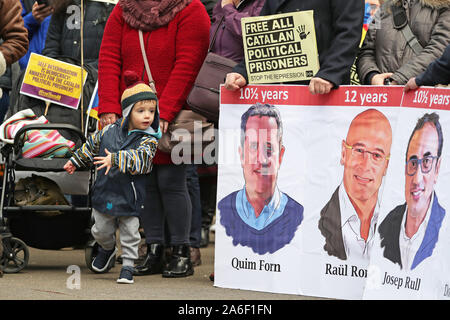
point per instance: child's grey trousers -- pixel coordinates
(104, 232)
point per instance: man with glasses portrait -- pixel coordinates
(348, 220)
(410, 232)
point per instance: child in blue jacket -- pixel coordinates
(123, 152)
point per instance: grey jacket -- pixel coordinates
(385, 48)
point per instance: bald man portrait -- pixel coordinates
(348, 220)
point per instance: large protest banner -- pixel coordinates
(410, 258)
(280, 47)
(289, 200)
(53, 80)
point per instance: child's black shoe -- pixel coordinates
(126, 275)
(103, 260)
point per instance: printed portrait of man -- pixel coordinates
(410, 231)
(348, 220)
(259, 215)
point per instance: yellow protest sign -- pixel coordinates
(281, 47)
(53, 80)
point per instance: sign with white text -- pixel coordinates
(340, 195)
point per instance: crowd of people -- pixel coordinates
(407, 43)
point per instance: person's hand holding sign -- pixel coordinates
(320, 86)
(410, 85)
(235, 81)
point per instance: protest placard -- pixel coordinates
(53, 81)
(305, 181)
(280, 48)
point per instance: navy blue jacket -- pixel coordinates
(123, 190)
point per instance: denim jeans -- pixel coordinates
(193, 186)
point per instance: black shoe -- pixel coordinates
(180, 264)
(204, 241)
(153, 262)
(126, 275)
(103, 261)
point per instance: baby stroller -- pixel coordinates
(39, 225)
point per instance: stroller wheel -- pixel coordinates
(15, 255)
(90, 253)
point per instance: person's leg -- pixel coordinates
(176, 202)
(129, 242)
(178, 210)
(152, 221)
(195, 235)
(208, 187)
(129, 239)
(103, 231)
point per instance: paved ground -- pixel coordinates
(47, 277)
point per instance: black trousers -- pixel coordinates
(167, 201)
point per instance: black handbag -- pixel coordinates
(204, 95)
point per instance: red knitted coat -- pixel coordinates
(175, 53)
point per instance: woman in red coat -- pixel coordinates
(176, 37)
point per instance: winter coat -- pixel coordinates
(385, 48)
(338, 25)
(37, 32)
(13, 33)
(437, 72)
(175, 54)
(63, 35)
(122, 191)
(209, 6)
(229, 36)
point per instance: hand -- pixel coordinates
(410, 85)
(164, 125)
(320, 86)
(378, 79)
(70, 167)
(108, 118)
(225, 2)
(235, 81)
(104, 161)
(41, 11)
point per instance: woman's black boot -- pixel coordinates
(153, 262)
(180, 264)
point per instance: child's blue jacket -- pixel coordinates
(123, 190)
